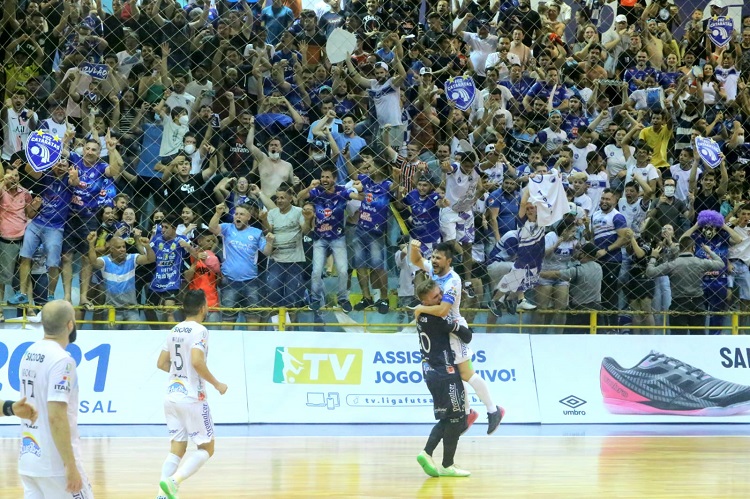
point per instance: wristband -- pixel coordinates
(8, 408)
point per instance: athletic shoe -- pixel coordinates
(169, 487)
(510, 305)
(452, 471)
(469, 288)
(363, 304)
(18, 299)
(494, 307)
(526, 305)
(494, 419)
(346, 305)
(383, 306)
(664, 385)
(314, 305)
(470, 419)
(428, 465)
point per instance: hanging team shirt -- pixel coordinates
(171, 261)
(547, 194)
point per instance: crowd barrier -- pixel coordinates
(306, 377)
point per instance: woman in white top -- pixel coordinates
(713, 93)
(617, 158)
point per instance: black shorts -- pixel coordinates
(157, 298)
(76, 231)
(447, 390)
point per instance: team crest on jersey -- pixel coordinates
(368, 197)
(462, 91)
(43, 150)
(177, 387)
(327, 212)
(29, 445)
(720, 30)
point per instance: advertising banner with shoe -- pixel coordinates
(642, 379)
(375, 378)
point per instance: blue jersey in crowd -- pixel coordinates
(330, 209)
(543, 90)
(56, 197)
(425, 216)
(605, 227)
(241, 252)
(507, 205)
(85, 200)
(574, 125)
(171, 260)
(373, 214)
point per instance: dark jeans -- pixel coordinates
(610, 288)
(286, 284)
(694, 319)
(583, 320)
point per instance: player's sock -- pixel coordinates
(453, 430)
(466, 398)
(191, 465)
(483, 392)
(170, 465)
(435, 436)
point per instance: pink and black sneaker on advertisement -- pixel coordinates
(664, 385)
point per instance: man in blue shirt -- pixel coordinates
(50, 212)
(550, 87)
(84, 206)
(171, 253)
(118, 273)
(369, 241)
(330, 201)
(424, 205)
(277, 18)
(239, 285)
(503, 205)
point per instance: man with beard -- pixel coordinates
(57, 123)
(17, 121)
(178, 97)
(49, 379)
(235, 156)
(628, 57)
(178, 32)
(710, 195)
(549, 88)
(241, 242)
(329, 201)
(529, 20)
(385, 91)
(517, 83)
(272, 170)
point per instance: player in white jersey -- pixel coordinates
(462, 182)
(50, 460)
(188, 416)
(440, 270)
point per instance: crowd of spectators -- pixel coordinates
(277, 169)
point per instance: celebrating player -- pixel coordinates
(186, 409)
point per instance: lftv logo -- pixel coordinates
(317, 366)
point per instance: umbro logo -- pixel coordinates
(572, 401)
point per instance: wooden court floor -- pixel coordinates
(385, 467)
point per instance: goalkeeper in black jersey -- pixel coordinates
(444, 382)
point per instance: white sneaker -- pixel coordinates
(452, 471)
(526, 305)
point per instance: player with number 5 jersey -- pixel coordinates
(188, 416)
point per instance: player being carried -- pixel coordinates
(442, 272)
(443, 380)
(184, 357)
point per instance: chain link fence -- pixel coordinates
(213, 145)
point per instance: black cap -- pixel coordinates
(589, 249)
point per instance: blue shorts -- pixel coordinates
(369, 250)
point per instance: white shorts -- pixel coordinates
(518, 280)
(461, 350)
(189, 420)
(456, 226)
(53, 487)
(497, 270)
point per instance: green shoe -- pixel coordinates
(428, 465)
(169, 488)
(452, 471)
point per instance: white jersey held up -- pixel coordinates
(185, 384)
(547, 194)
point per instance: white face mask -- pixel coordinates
(274, 155)
(319, 156)
(189, 149)
(669, 191)
(184, 120)
(79, 150)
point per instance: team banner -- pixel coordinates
(720, 30)
(43, 150)
(709, 151)
(375, 378)
(96, 71)
(461, 90)
(118, 379)
(642, 379)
